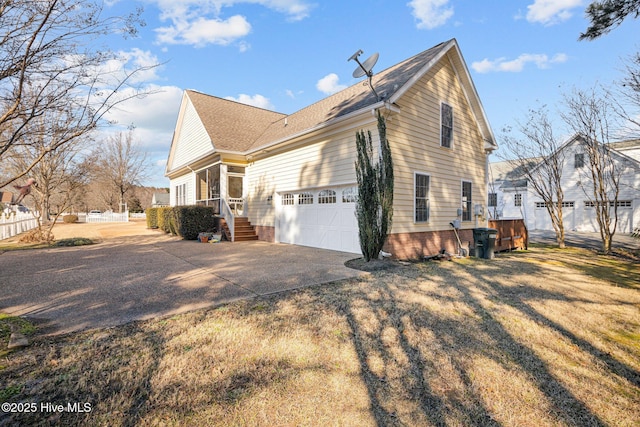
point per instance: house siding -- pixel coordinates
(414, 136)
(187, 179)
(192, 140)
(324, 162)
(575, 182)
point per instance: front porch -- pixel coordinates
(221, 186)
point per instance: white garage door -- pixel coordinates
(322, 218)
(543, 220)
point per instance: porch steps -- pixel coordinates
(244, 231)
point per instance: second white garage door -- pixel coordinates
(323, 218)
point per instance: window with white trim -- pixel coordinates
(517, 199)
(619, 203)
(493, 200)
(327, 196)
(578, 160)
(350, 195)
(446, 125)
(287, 199)
(466, 201)
(181, 194)
(421, 193)
(305, 198)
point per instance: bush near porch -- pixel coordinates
(184, 221)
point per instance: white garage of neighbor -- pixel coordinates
(323, 218)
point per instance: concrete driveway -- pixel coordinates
(142, 277)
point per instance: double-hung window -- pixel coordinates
(493, 200)
(181, 194)
(466, 201)
(446, 125)
(421, 192)
(517, 199)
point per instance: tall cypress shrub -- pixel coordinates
(374, 208)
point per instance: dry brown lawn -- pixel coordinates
(542, 338)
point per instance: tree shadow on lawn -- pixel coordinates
(60, 373)
(520, 297)
(418, 331)
(124, 374)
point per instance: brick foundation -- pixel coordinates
(266, 233)
(419, 245)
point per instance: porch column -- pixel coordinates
(223, 182)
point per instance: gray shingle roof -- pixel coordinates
(233, 126)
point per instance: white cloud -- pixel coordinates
(329, 84)
(549, 12)
(157, 111)
(154, 117)
(243, 46)
(516, 65)
(201, 22)
(201, 31)
(431, 13)
(135, 66)
(255, 100)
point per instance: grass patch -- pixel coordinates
(9, 324)
(529, 338)
(620, 268)
(73, 241)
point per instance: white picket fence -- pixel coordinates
(105, 217)
(15, 223)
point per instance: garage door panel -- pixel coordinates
(329, 216)
(322, 225)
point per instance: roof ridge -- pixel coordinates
(384, 71)
(235, 102)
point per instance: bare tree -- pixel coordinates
(590, 115)
(121, 164)
(537, 158)
(48, 64)
(59, 174)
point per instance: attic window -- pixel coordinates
(446, 125)
(579, 160)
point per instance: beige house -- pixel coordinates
(291, 178)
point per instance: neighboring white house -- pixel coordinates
(293, 176)
(159, 200)
(511, 196)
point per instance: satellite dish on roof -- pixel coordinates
(365, 68)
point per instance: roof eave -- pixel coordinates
(332, 122)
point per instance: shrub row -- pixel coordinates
(183, 221)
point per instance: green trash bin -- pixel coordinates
(484, 242)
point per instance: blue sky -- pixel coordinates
(286, 54)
